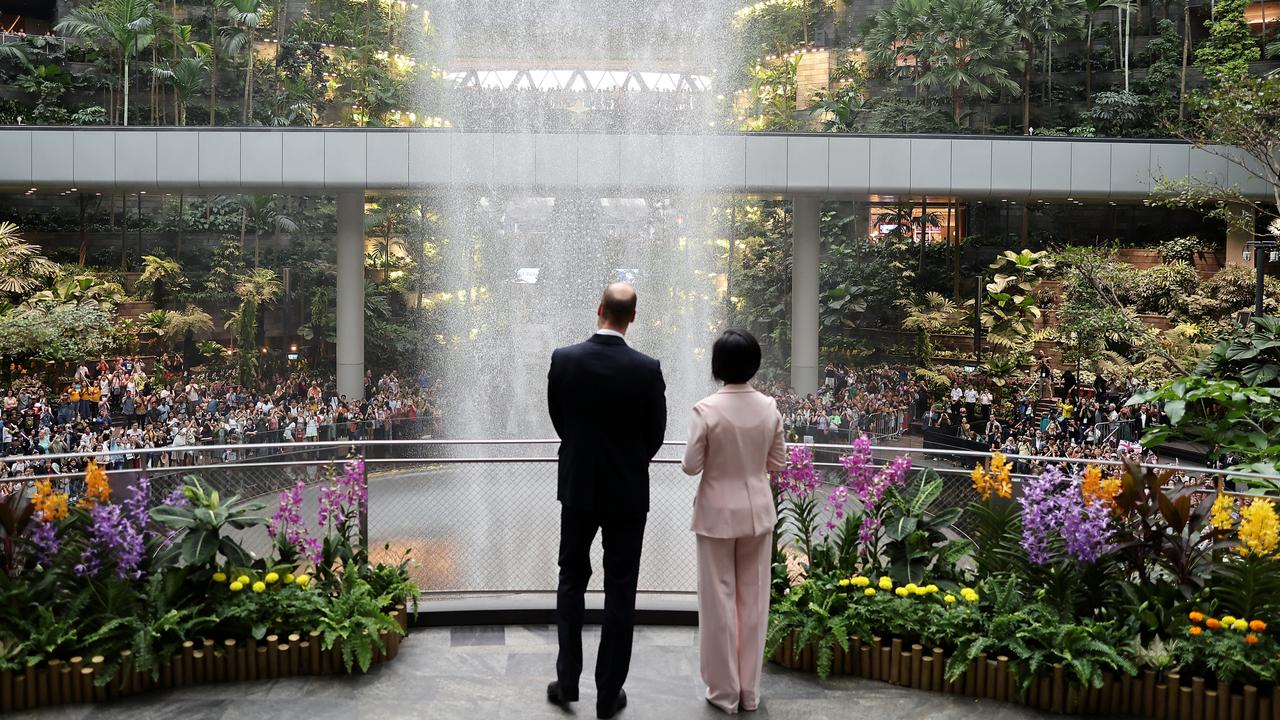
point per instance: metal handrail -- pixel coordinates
(302, 447)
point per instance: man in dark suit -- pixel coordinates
(608, 405)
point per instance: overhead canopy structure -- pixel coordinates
(806, 167)
(844, 166)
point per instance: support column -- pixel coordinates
(350, 315)
(804, 294)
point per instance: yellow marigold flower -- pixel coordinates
(243, 579)
(869, 592)
(219, 577)
(1240, 626)
(259, 586)
(861, 581)
(844, 582)
(1259, 530)
(272, 577)
(1220, 514)
(97, 488)
(931, 588)
(901, 592)
(969, 594)
(911, 587)
(51, 506)
(288, 578)
(948, 598)
(302, 580)
(236, 586)
(1228, 621)
(922, 591)
(886, 583)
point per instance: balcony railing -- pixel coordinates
(481, 516)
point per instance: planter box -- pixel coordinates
(896, 662)
(207, 661)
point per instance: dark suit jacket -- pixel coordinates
(608, 404)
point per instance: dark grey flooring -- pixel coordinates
(501, 672)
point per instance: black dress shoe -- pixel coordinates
(608, 710)
(557, 695)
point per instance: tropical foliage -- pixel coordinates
(1094, 570)
(93, 573)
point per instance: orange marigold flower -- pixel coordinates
(97, 488)
(1195, 630)
(1251, 639)
(1257, 626)
(1213, 623)
(1196, 616)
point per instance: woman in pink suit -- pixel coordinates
(735, 439)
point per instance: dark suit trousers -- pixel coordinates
(621, 535)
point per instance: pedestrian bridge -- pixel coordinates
(284, 160)
(347, 162)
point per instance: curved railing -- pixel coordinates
(480, 516)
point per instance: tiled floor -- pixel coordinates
(488, 673)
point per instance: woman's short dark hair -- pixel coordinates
(735, 357)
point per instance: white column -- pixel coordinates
(350, 316)
(804, 294)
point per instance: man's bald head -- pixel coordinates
(617, 307)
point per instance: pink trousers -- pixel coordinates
(733, 614)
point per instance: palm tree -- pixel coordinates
(261, 284)
(22, 267)
(161, 273)
(186, 71)
(16, 51)
(968, 52)
(263, 212)
(1124, 18)
(193, 320)
(246, 17)
(124, 24)
(895, 28)
(255, 288)
(934, 315)
(1091, 8)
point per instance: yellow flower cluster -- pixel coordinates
(997, 481)
(1259, 530)
(51, 506)
(97, 488)
(240, 582)
(1221, 515)
(1095, 489)
(856, 581)
(886, 582)
(969, 595)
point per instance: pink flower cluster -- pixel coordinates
(798, 478)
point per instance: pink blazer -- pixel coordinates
(735, 439)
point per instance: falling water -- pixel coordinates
(525, 270)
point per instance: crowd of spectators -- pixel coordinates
(1048, 414)
(115, 408)
(879, 400)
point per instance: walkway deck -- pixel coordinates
(496, 673)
